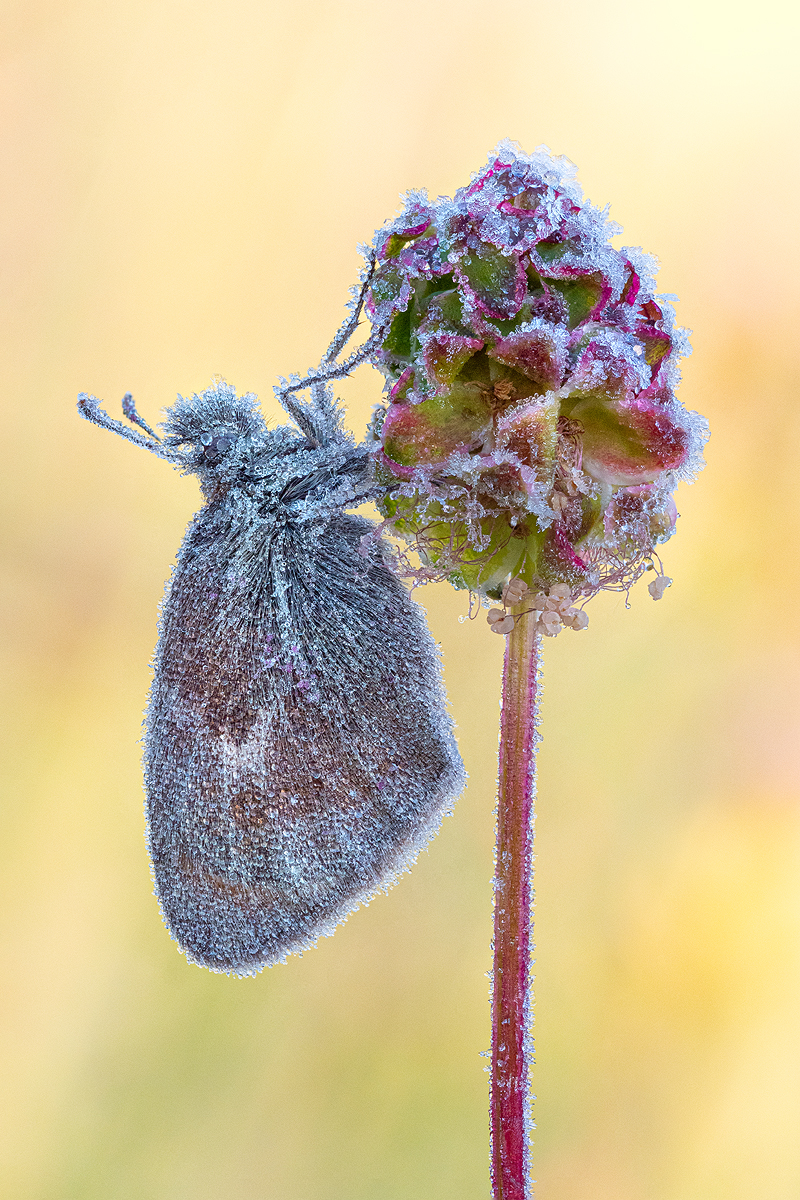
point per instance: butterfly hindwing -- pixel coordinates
(298, 749)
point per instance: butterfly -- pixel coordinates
(298, 751)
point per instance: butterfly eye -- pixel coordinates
(214, 446)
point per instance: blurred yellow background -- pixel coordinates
(185, 185)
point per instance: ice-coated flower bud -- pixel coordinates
(531, 429)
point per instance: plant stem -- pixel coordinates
(512, 1042)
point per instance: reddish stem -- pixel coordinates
(512, 1042)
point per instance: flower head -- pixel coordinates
(531, 429)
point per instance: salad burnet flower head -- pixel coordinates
(531, 437)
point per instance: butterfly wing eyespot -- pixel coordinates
(298, 751)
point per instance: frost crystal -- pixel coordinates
(531, 428)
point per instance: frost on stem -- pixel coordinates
(531, 429)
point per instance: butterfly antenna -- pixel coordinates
(90, 409)
(129, 410)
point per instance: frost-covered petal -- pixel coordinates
(529, 432)
(611, 364)
(560, 562)
(656, 345)
(537, 350)
(632, 284)
(639, 517)
(444, 354)
(422, 258)
(413, 222)
(584, 297)
(390, 291)
(629, 442)
(495, 280)
(429, 432)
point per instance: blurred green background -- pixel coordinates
(185, 185)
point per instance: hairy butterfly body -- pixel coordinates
(298, 753)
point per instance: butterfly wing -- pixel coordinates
(298, 750)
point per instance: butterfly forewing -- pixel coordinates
(298, 750)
